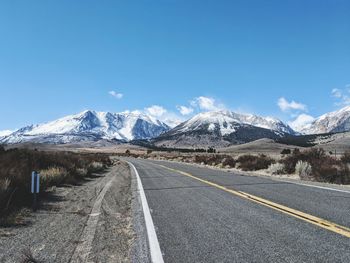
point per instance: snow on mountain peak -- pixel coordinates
(5, 133)
(336, 121)
(228, 120)
(97, 125)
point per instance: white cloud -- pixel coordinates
(336, 93)
(184, 110)
(206, 104)
(5, 133)
(342, 96)
(301, 122)
(172, 119)
(156, 111)
(116, 94)
(292, 105)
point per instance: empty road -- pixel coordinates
(205, 215)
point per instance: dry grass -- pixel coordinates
(4, 184)
(56, 168)
(97, 166)
(53, 176)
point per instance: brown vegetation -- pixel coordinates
(253, 162)
(56, 168)
(325, 168)
(318, 165)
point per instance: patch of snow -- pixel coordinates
(211, 127)
(5, 133)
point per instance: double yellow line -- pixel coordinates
(281, 208)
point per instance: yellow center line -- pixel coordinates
(342, 230)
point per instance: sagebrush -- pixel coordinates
(55, 168)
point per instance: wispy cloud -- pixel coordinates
(184, 110)
(336, 93)
(286, 105)
(115, 94)
(342, 96)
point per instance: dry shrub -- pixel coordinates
(229, 161)
(252, 162)
(324, 167)
(201, 159)
(276, 168)
(286, 151)
(97, 165)
(214, 160)
(55, 167)
(346, 157)
(303, 169)
(53, 176)
(314, 157)
(82, 172)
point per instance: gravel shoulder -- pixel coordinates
(55, 232)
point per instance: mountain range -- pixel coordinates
(222, 128)
(90, 126)
(216, 128)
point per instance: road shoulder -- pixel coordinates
(55, 231)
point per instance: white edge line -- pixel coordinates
(156, 253)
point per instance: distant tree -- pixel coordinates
(296, 151)
(286, 151)
(149, 151)
(211, 150)
(127, 152)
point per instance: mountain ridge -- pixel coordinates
(213, 128)
(90, 126)
(222, 128)
(331, 122)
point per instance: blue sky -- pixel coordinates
(62, 57)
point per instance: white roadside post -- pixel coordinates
(35, 188)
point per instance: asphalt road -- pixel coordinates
(196, 222)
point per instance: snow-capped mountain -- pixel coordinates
(91, 126)
(5, 133)
(337, 121)
(226, 121)
(223, 128)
